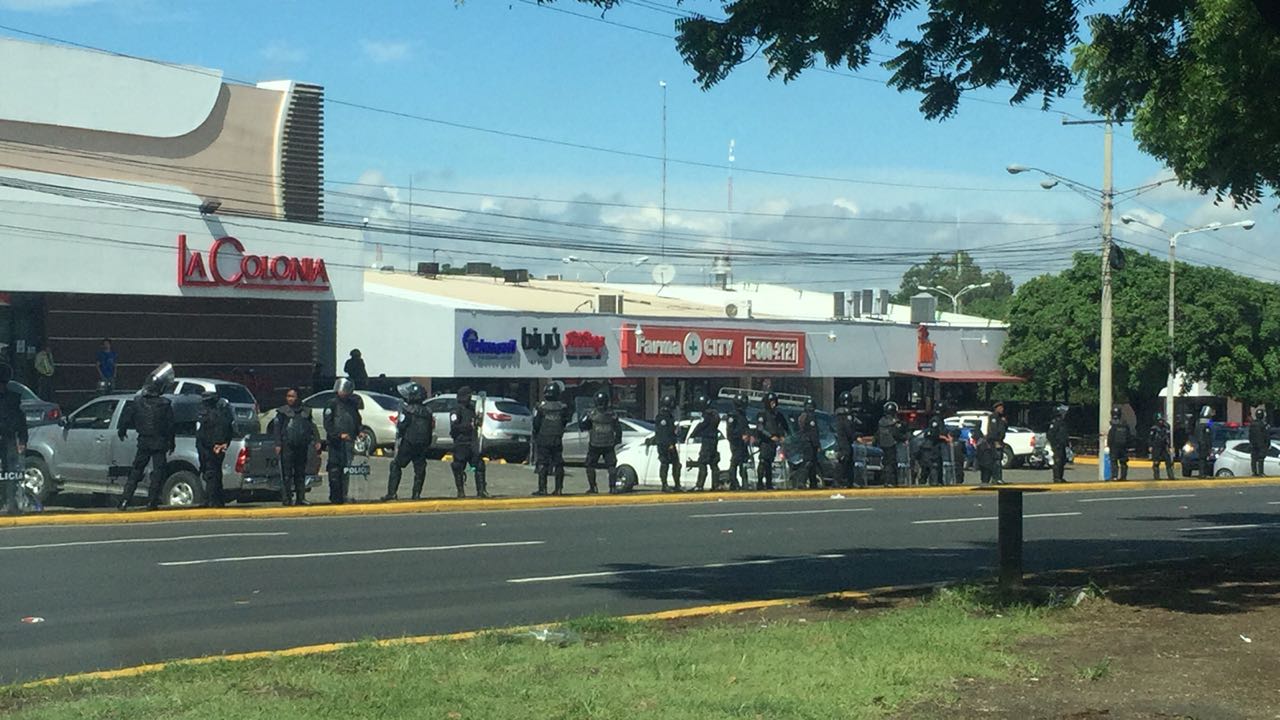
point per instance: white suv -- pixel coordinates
(505, 426)
(244, 406)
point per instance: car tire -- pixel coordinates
(365, 443)
(1224, 473)
(38, 480)
(627, 476)
(183, 489)
(1008, 460)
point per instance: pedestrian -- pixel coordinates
(1259, 442)
(214, 429)
(106, 368)
(1158, 439)
(846, 439)
(415, 429)
(738, 431)
(997, 429)
(464, 428)
(45, 368)
(296, 438)
(1204, 441)
(771, 430)
(984, 456)
(707, 433)
(890, 432)
(664, 437)
(550, 419)
(810, 446)
(1059, 439)
(151, 415)
(355, 369)
(13, 441)
(342, 423)
(604, 432)
(1118, 439)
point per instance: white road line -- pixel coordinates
(1134, 497)
(342, 553)
(1247, 526)
(1274, 502)
(129, 541)
(677, 568)
(993, 517)
(781, 512)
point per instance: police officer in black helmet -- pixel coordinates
(1158, 439)
(342, 423)
(151, 415)
(664, 439)
(464, 428)
(707, 433)
(810, 446)
(1204, 440)
(1259, 442)
(214, 430)
(13, 441)
(1119, 436)
(604, 432)
(415, 427)
(739, 432)
(846, 438)
(1059, 439)
(549, 422)
(771, 429)
(889, 433)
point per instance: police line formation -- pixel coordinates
(939, 458)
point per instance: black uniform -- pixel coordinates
(341, 418)
(664, 438)
(810, 448)
(414, 427)
(549, 423)
(13, 432)
(1118, 439)
(214, 428)
(295, 434)
(707, 433)
(152, 416)
(1259, 444)
(771, 429)
(464, 428)
(1059, 439)
(889, 433)
(846, 439)
(604, 432)
(1158, 438)
(997, 428)
(933, 445)
(1204, 445)
(737, 427)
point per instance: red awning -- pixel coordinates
(961, 376)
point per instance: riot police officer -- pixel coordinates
(296, 434)
(214, 429)
(549, 422)
(604, 432)
(1204, 440)
(415, 429)
(739, 432)
(664, 439)
(1259, 442)
(707, 433)
(846, 439)
(151, 415)
(1158, 438)
(342, 423)
(889, 433)
(1118, 439)
(1059, 439)
(997, 429)
(464, 428)
(810, 446)
(13, 440)
(936, 441)
(771, 430)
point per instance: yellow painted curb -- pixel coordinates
(1085, 460)
(305, 650)
(577, 501)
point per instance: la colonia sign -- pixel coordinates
(228, 265)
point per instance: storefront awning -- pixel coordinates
(961, 376)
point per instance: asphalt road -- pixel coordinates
(113, 596)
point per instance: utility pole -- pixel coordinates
(411, 221)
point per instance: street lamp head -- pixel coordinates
(640, 260)
(1126, 219)
(925, 288)
(1247, 224)
(1015, 169)
(983, 285)
(1048, 184)
(662, 83)
(569, 259)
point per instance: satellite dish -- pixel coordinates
(663, 274)
(731, 310)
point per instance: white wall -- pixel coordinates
(397, 336)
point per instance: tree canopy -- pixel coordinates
(1198, 78)
(953, 273)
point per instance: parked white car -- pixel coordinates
(378, 411)
(638, 462)
(1019, 442)
(506, 426)
(1235, 460)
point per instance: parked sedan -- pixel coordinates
(378, 411)
(575, 438)
(38, 412)
(505, 426)
(1235, 460)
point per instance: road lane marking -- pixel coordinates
(677, 568)
(1274, 502)
(342, 553)
(1246, 526)
(780, 512)
(1135, 497)
(993, 517)
(129, 541)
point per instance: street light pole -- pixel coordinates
(663, 85)
(604, 272)
(1105, 359)
(955, 298)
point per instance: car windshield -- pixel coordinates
(641, 424)
(23, 392)
(386, 402)
(234, 393)
(511, 408)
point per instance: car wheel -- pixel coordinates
(37, 479)
(1224, 472)
(183, 489)
(1007, 459)
(365, 442)
(627, 476)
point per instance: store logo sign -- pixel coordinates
(227, 265)
(583, 345)
(541, 343)
(712, 348)
(473, 345)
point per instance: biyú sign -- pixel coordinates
(227, 265)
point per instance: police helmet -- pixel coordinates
(344, 386)
(551, 392)
(809, 405)
(846, 399)
(891, 408)
(1159, 417)
(159, 380)
(209, 397)
(669, 402)
(703, 402)
(602, 398)
(6, 374)
(412, 392)
(1060, 411)
(771, 400)
(740, 401)
(1259, 414)
(464, 394)
(1115, 413)
(1206, 412)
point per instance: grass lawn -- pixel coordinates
(805, 663)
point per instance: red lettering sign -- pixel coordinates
(656, 346)
(583, 344)
(249, 272)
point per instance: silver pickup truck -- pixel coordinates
(82, 454)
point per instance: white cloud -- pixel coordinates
(279, 52)
(385, 51)
(846, 204)
(43, 5)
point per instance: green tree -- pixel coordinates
(953, 273)
(1198, 77)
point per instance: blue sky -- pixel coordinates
(512, 66)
